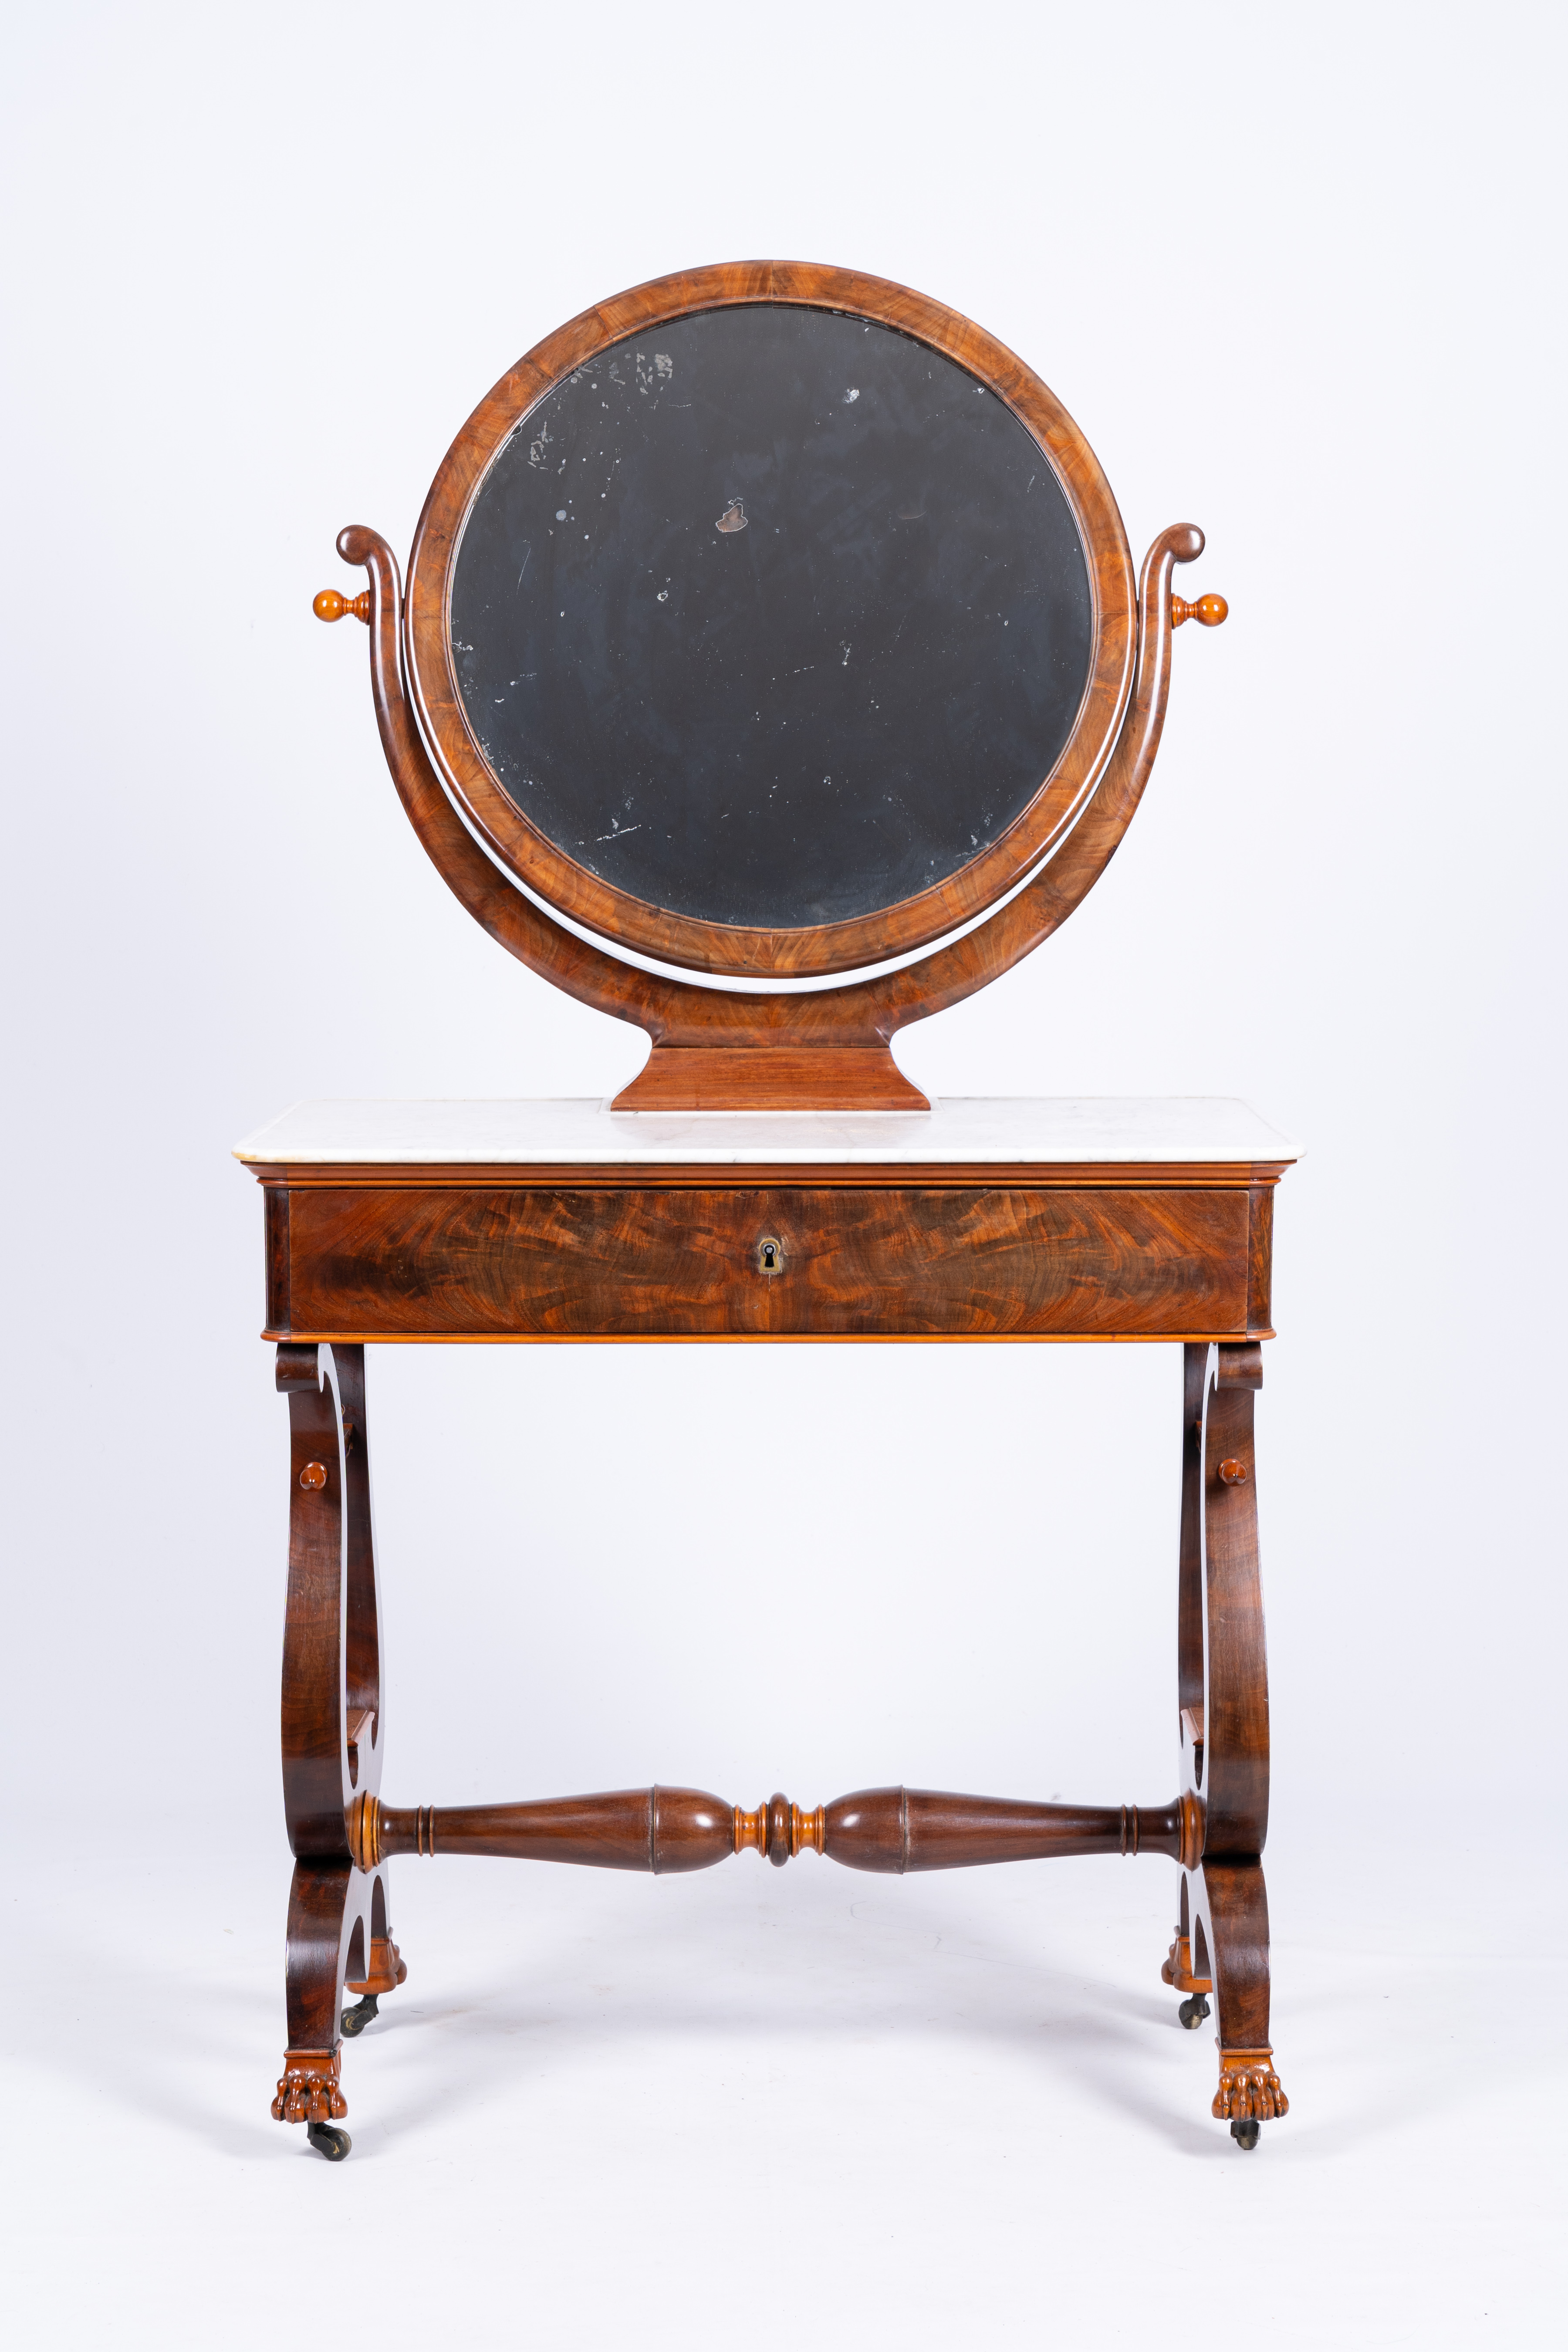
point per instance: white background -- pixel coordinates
(1295, 272)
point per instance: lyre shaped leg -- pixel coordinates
(334, 1732)
(1222, 1938)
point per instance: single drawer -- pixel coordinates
(767, 1262)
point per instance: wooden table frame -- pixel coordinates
(1107, 1251)
(931, 1239)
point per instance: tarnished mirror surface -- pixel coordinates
(771, 616)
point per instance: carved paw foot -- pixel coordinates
(308, 2089)
(1249, 2089)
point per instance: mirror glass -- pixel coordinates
(771, 616)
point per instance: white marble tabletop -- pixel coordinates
(562, 1130)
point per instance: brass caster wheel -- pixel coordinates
(1192, 2013)
(328, 2140)
(1245, 2131)
(354, 2021)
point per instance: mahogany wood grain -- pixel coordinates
(1222, 1938)
(277, 1258)
(1235, 1757)
(1260, 1258)
(1190, 1569)
(333, 1721)
(362, 1654)
(320, 1926)
(1230, 1943)
(658, 1829)
(891, 1830)
(781, 1077)
(899, 1830)
(961, 1262)
(316, 1785)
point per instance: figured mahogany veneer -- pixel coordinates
(598, 1260)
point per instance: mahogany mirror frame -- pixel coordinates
(686, 941)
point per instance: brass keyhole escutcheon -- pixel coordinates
(770, 1256)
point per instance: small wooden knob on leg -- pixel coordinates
(329, 605)
(1210, 610)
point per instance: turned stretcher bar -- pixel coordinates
(668, 1830)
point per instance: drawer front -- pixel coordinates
(945, 1261)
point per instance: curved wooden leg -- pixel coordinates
(1179, 1970)
(1222, 1940)
(333, 1727)
(319, 1931)
(1232, 1922)
(365, 1690)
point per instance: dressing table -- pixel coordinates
(771, 673)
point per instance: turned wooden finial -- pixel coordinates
(1210, 610)
(332, 606)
